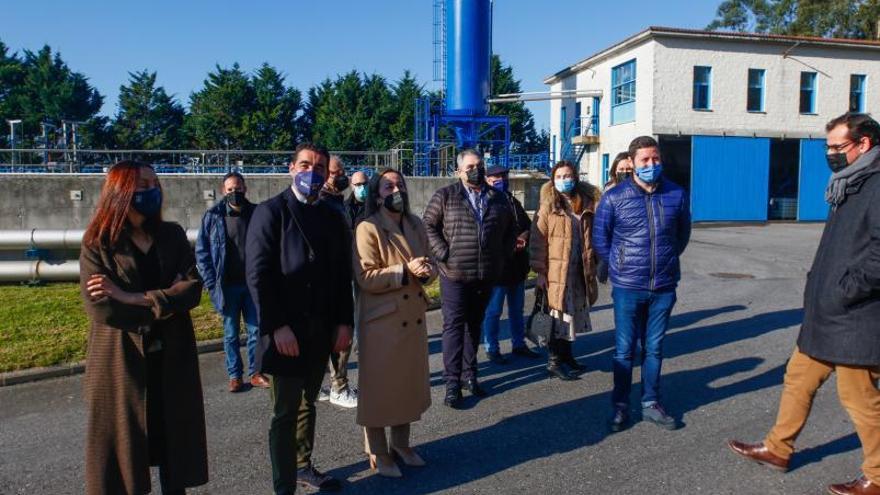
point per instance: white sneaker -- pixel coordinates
(324, 394)
(346, 398)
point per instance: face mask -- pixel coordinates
(650, 174)
(308, 183)
(622, 176)
(235, 198)
(564, 185)
(476, 176)
(360, 192)
(340, 183)
(836, 161)
(148, 202)
(501, 185)
(394, 202)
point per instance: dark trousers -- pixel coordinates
(293, 404)
(464, 306)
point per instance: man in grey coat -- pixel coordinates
(840, 331)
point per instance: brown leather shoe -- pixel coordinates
(758, 452)
(235, 385)
(259, 381)
(858, 486)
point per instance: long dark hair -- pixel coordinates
(612, 172)
(373, 199)
(111, 214)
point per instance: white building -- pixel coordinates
(740, 117)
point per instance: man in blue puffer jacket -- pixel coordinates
(641, 228)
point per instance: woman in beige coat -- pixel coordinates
(562, 256)
(391, 266)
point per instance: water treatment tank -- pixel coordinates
(468, 56)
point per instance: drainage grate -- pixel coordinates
(732, 275)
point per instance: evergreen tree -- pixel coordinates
(404, 94)
(218, 110)
(273, 124)
(148, 117)
(826, 18)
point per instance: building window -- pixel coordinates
(577, 119)
(808, 92)
(623, 93)
(605, 166)
(857, 93)
(755, 101)
(702, 86)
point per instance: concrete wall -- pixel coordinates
(730, 62)
(35, 201)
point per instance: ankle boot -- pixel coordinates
(568, 358)
(555, 365)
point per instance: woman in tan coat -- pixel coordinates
(143, 394)
(562, 256)
(391, 266)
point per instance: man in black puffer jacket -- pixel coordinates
(472, 236)
(841, 309)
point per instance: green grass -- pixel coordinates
(46, 325)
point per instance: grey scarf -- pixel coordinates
(838, 185)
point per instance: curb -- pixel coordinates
(63, 370)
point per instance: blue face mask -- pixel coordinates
(650, 174)
(308, 183)
(564, 185)
(147, 202)
(360, 192)
(501, 185)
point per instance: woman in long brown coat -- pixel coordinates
(142, 388)
(562, 256)
(391, 266)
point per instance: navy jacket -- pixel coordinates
(299, 274)
(211, 249)
(640, 236)
(842, 296)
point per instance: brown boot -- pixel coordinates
(858, 486)
(259, 381)
(235, 385)
(760, 454)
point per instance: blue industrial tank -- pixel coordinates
(468, 56)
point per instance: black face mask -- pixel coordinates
(836, 161)
(476, 176)
(622, 176)
(395, 202)
(235, 198)
(341, 183)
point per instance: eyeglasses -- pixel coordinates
(837, 148)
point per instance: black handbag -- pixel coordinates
(540, 325)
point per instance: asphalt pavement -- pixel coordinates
(733, 328)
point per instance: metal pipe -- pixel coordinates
(47, 271)
(53, 239)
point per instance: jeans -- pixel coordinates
(515, 295)
(639, 314)
(238, 302)
(464, 307)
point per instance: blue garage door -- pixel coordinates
(730, 178)
(814, 174)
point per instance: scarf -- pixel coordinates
(846, 181)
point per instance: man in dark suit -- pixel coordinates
(299, 274)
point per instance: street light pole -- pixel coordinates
(12, 123)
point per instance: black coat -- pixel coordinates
(288, 288)
(518, 268)
(467, 250)
(842, 296)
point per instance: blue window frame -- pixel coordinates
(623, 93)
(755, 98)
(605, 159)
(594, 120)
(577, 119)
(857, 93)
(702, 88)
(808, 92)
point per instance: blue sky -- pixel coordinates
(309, 40)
